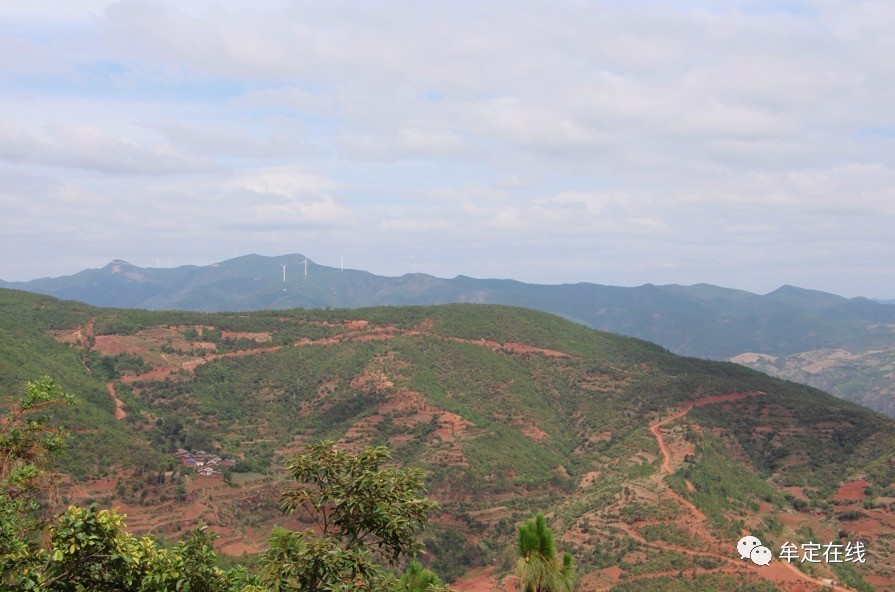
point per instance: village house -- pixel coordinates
(205, 463)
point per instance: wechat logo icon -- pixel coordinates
(750, 547)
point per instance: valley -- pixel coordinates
(866, 377)
(575, 296)
(649, 466)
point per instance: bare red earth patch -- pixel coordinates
(852, 491)
(521, 348)
(263, 337)
(479, 580)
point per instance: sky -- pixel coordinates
(746, 144)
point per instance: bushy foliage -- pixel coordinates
(538, 567)
(90, 550)
(451, 554)
(365, 512)
(28, 444)
(419, 579)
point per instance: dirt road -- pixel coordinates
(119, 404)
(656, 429)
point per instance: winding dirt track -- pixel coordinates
(119, 404)
(656, 430)
(656, 427)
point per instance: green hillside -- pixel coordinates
(509, 411)
(795, 327)
(29, 351)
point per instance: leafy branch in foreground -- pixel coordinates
(365, 513)
(92, 551)
(28, 443)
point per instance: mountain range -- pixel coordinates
(843, 345)
(649, 465)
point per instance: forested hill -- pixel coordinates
(844, 346)
(643, 459)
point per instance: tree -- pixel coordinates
(419, 579)
(92, 551)
(365, 513)
(538, 567)
(28, 443)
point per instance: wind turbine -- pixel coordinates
(306, 266)
(342, 263)
(284, 273)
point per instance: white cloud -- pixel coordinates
(662, 142)
(281, 138)
(295, 98)
(21, 56)
(286, 181)
(86, 147)
(408, 142)
(282, 197)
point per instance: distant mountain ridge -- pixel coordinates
(700, 320)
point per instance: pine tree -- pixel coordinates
(419, 579)
(538, 567)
